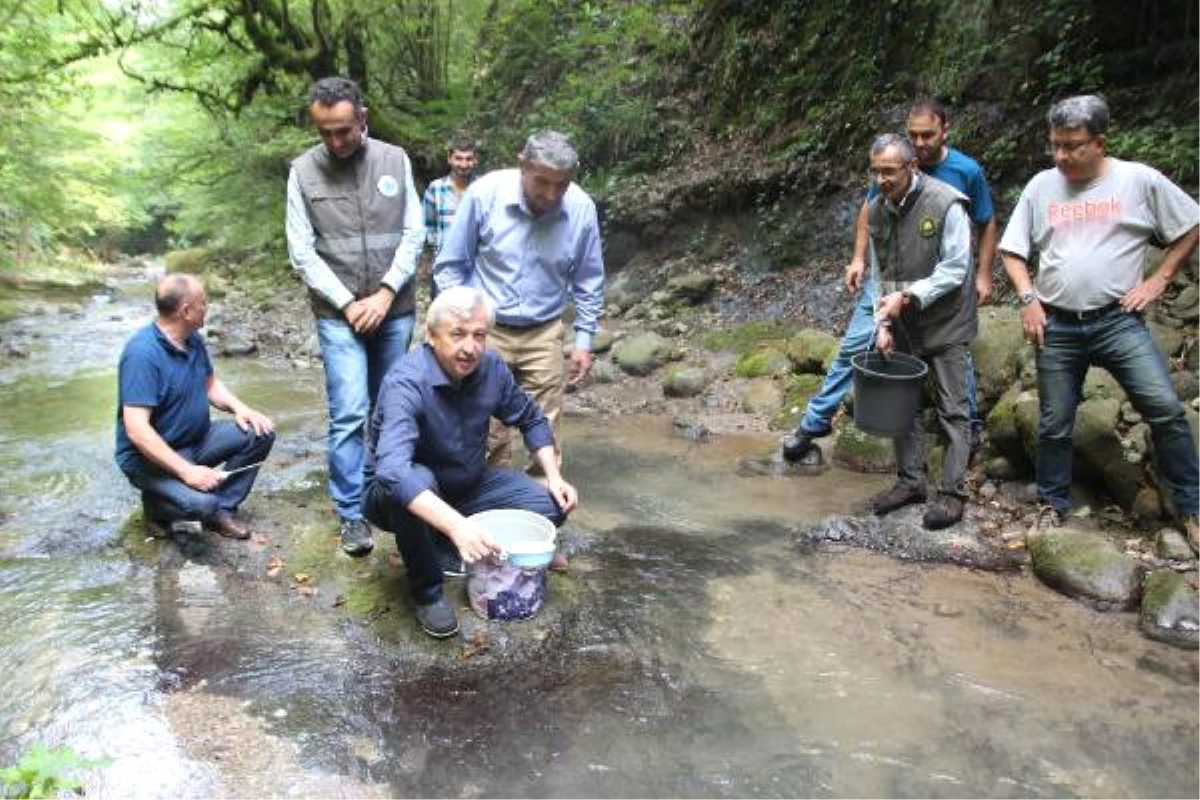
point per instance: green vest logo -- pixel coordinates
(928, 227)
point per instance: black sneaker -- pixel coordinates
(437, 619)
(356, 537)
(898, 496)
(943, 512)
(796, 445)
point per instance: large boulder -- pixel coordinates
(1012, 426)
(1085, 565)
(1169, 610)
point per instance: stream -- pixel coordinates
(692, 651)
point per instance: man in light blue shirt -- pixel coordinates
(529, 239)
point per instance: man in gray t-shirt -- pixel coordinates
(1090, 219)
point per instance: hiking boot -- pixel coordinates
(943, 512)
(797, 444)
(437, 619)
(356, 537)
(898, 496)
(1191, 529)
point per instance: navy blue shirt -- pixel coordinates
(422, 417)
(172, 383)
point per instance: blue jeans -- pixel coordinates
(499, 488)
(1119, 342)
(168, 499)
(354, 370)
(817, 419)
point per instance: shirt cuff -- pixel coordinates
(583, 341)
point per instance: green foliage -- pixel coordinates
(44, 773)
(601, 71)
(1166, 145)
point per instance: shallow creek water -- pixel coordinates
(694, 650)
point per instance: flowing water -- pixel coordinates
(693, 651)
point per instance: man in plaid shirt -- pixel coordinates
(442, 195)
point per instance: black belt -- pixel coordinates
(1081, 316)
(524, 327)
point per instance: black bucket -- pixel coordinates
(887, 391)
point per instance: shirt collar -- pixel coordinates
(513, 197)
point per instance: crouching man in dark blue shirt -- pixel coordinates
(427, 449)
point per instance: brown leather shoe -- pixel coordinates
(226, 524)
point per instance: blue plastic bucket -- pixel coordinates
(887, 391)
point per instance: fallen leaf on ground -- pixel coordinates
(274, 566)
(300, 577)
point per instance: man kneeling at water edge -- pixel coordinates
(166, 444)
(427, 448)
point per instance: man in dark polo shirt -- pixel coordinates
(427, 445)
(166, 443)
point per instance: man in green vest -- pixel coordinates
(920, 239)
(354, 230)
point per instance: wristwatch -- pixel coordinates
(1026, 297)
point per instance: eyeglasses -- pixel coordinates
(1068, 148)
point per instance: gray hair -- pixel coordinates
(550, 149)
(333, 90)
(1082, 111)
(457, 303)
(885, 140)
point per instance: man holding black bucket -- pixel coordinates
(427, 445)
(920, 238)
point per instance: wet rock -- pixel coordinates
(692, 288)
(1169, 610)
(763, 361)
(862, 452)
(1172, 545)
(684, 381)
(603, 372)
(772, 463)
(901, 535)
(1085, 565)
(642, 353)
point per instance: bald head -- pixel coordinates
(175, 289)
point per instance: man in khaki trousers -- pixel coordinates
(529, 239)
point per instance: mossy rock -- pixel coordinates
(1012, 426)
(811, 350)
(855, 450)
(684, 381)
(1169, 610)
(642, 353)
(762, 362)
(1100, 385)
(1085, 565)
(745, 338)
